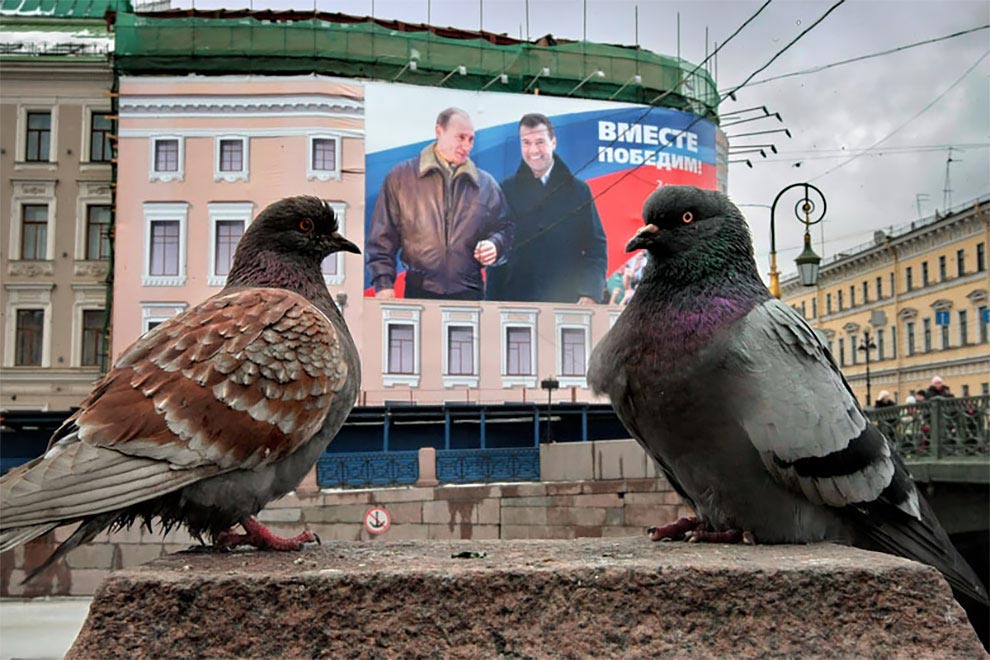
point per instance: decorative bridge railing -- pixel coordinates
(955, 428)
(501, 442)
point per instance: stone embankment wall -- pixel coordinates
(593, 489)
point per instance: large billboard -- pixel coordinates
(483, 207)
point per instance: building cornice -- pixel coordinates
(909, 241)
(321, 105)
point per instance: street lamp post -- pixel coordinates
(866, 346)
(549, 384)
(807, 262)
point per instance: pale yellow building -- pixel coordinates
(920, 292)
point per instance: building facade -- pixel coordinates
(201, 157)
(56, 153)
(920, 292)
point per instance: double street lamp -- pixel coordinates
(805, 209)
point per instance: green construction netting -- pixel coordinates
(61, 8)
(149, 44)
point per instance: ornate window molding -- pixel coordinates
(231, 175)
(459, 317)
(32, 192)
(221, 211)
(21, 145)
(323, 174)
(28, 295)
(87, 297)
(91, 193)
(86, 149)
(166, 176)
(394, 314)
(154, 211)
(567, 320)
(518, 318)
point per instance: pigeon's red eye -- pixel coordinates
(687, 218)
(306, 225)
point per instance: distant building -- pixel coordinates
(56, 202)
(921, 291)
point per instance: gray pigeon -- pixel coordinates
(744, 409)
(212, 414)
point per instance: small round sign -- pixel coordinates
(377, 520)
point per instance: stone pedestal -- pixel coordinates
(427, 468)
(486, 599)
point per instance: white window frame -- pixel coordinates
(323, 175)
(460, 317)
(22, 113)
(165, 177)
(219, 211)
(41, 192)
(340, 213)
(518, 318)
(579, 320)
(240, 175)
(154, 211)
(28, 295)
(91, 194)
(87, 297)
(159, 312)
(401, 315)
(87, 148)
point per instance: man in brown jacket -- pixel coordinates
(448, 218)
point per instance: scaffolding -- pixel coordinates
(292, 43)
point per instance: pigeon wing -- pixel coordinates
(801, 416)
(812, 436)
(239, 381)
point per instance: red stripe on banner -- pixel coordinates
(620, 196)
(400, 287)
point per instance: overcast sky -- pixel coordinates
(832, 115)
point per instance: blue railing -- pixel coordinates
(367, 468)
(461, 466)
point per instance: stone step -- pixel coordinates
(570, 598)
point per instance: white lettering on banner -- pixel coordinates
(662, 160)
(646, 134)
(650, 136)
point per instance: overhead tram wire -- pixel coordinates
(650, 109)
(734, 89)
(913, 117)
(890, 51)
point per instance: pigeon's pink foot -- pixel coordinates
(674, 530)
(259, 536)
(727, 536)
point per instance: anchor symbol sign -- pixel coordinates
(377, 520)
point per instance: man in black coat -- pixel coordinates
(559, 250)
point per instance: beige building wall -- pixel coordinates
(63, 283)
(840, 310)
(276, 120)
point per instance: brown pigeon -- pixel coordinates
(212, 414)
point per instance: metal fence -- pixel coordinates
(939, 428)
(367, 468)
(462, 466)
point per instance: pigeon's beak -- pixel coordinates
(643, 238)
(344, 245)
